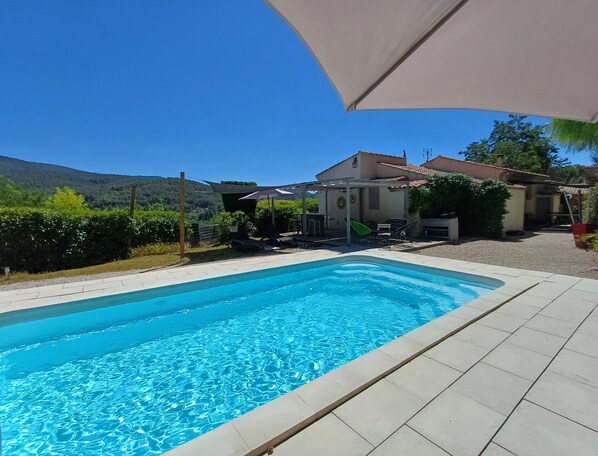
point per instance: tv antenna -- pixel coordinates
(427, 153)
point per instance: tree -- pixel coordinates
(11, 195)
(65, 200)
(479, 151)
(576, 136)
(570, 174)
(525, 146)
(516, 157)
(160, 205)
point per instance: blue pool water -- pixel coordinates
(146, 376)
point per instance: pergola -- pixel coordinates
(345, 184)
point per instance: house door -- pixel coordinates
(542, 208)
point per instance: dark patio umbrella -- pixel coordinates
(267, 194)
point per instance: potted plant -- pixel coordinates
(590, 219)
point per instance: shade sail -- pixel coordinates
(537, 57)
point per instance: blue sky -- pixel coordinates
(220, 90)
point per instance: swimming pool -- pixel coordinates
(145, 372)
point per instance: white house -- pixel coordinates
(377, 204)
(368, 204)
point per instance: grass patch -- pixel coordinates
(154, 249)
(147, 262)
(150, 261)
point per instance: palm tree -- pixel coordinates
(576, 135)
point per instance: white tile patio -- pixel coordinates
(522, 379)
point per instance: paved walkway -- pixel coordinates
(523, 380)
(540, 251)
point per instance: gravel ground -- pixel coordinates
(539, 251)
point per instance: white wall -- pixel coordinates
(341, 170)
(514, 218)
(392, 205)
(366, 166)
(336, 216)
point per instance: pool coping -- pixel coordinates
(258, 431)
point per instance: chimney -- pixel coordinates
(500, 160)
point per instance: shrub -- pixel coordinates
(418, 199)
(490, 203)
(282, 215)
(311, 203)
(450, 193)
(106, 236)
(37, 240)
(67, 201)
(479, 207)
(591, 206)
(264, 203)
(590, 240)
(151, 227)
(225, 220)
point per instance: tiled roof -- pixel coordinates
(418, 183)
(405, 183)
(421, 182)
(399, 178)
(486, 165)
(574, 190)
(379, 155)
(414, 169)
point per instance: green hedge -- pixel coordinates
(282, 215)
(38, 240)
(480, 207)
(224, 220)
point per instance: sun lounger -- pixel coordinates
(399, 228)
(270, 234)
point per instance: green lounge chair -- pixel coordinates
(360, 228)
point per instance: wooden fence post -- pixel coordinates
(131, 214)
(182, 218)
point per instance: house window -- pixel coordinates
(374, 197)
(354, 162)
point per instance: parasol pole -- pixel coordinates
(272, 209)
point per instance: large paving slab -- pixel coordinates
(536, 431)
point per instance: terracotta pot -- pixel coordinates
(582, 228)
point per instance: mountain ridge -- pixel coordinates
(109, 191)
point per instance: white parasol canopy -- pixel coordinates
(267, 194)
(537, 57)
